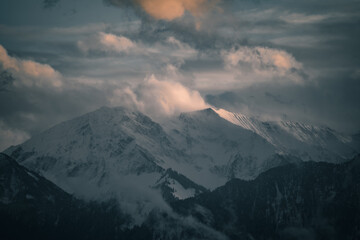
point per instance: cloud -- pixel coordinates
(121, 3)
(299, 41)
(50, 3)
(244, 67)
(261, 57)
(11, 136)
(159, 97)
(6, 79)
(300, 18)
(107, 42)
(181, 49)
(261, 64)
(139, 58)
(7, 61)
(325, 101)
(29, 73)
(163, 9)
(74, 30)
(304, 33)
(116, 43)
(172, 9)
(169, 9)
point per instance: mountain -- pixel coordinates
(224, 145)
(310, 143)
(307, 200)
(219, 149)
(106, 154)
(356, 140)
(304, 200)
(176, 186)
(117, 153)
(32, 207)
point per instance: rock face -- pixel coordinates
(117, 153)
(31, 207)
(307, 200)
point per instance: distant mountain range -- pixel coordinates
(118, 172)
(306, 200)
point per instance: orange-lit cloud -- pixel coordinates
(246, 66)
(107, 42)
(29, 73)
(172, 9)
(262, 58)
(159, 98)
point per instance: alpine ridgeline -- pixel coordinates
(117, 153)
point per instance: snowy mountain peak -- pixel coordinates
(316, 143)
(117, 152)
(230, 116)
(199, 115)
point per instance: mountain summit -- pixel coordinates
(123, 154)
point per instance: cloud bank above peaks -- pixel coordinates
(270, 57)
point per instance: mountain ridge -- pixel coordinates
(121, 153)
(306, 200)
(31, 207)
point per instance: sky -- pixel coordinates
(271, 59)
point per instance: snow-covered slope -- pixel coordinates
(117, 152)
(218, 149)
(104, 154)
(302, 140)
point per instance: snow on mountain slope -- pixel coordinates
(219, 150)
(176, 186)
(305, 141)
(104, 154)
(116, 152)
